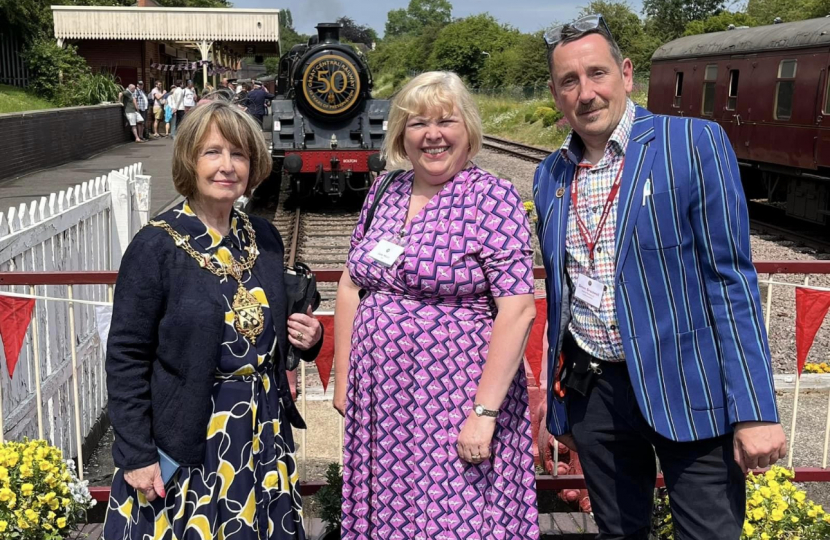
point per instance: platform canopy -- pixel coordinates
(223, 36)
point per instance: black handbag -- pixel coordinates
(301, 293)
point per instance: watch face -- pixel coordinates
(479, 409)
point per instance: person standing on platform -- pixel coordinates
(256, 99)
(195, 360)
(655, 329)
(428, 356)
(176, 103)
(158, 107)
(143, 106)
(128, 101)
(190, 97)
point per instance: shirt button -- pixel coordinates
(613, 327)
(594, 209)
(599, 249)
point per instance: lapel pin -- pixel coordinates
(560, 192)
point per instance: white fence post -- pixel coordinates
(141, 208)
(121, 212)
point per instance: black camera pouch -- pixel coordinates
(581, 369)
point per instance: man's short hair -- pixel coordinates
(569, 34)
(140, 83)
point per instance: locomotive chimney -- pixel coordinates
(328, 32)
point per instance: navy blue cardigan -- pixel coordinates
(164, 344)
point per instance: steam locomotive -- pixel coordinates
(326, 128)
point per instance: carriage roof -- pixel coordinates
(784, 36)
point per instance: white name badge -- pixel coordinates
(386, 252)
(589, 290)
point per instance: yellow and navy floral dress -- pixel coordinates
(247, 488)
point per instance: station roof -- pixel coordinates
(794, 35)
(234, 28)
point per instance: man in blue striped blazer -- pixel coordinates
(653, 302)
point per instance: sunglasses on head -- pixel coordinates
(585, 24)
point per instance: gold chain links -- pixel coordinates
(248, 317)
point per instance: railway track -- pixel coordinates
(773, 222)
(318, 238)
(519, 150)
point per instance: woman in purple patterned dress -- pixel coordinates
(429, 361)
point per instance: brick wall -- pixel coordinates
(41, 139)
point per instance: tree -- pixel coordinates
(464, 45)
(765, 11)
(356, 33)
(418, 15)
(719, 23)
(628, 30)
(672, 16)
(288, 35)
(523, 64)
(272, 65)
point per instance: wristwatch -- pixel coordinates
(481, 411)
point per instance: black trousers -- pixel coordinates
(707, 489)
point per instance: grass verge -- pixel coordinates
(13, 99)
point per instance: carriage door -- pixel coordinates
(736, 116)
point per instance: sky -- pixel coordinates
(526, 15)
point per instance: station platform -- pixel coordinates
(155, 155)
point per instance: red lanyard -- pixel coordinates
(606, 210)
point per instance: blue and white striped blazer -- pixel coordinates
(687, 297)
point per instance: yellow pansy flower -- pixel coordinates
(749, 530)
(61, 522)
(27, 489)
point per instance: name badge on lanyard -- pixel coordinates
(589, 290)
(386, 253)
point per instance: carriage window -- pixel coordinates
(785, 89)
(732, 98)
(678, 88)
(709, 78)
(827, 96)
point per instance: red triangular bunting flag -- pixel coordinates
(811, 307)
(15, 316)
(326, 357)
(535, 347)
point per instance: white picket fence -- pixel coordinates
(83, 228)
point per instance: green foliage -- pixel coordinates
(417, 16)
(356, 33)
(53, 71)
(674, 15)
(272, 65)
(719, 23)
(288, 35)
(13, 99)
(96, 88)
(330, 496)
(765, 11)
(463, 46)
(524, 63)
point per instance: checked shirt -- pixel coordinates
(596, 330)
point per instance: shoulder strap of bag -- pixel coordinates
(384, 184)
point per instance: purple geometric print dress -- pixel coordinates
(419, 345)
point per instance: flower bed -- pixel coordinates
(775, 510)
(41, 497)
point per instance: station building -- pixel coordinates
(150, 43)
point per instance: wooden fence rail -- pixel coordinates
(84, 228)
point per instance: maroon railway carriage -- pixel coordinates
(769, 88)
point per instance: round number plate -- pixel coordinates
(331, 84)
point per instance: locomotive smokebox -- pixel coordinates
(328, 32)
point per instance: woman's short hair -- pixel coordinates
(236, 126)
(428, 92)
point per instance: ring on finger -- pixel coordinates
(299, 335)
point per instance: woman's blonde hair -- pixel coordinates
(428, 92)
(236, 126)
